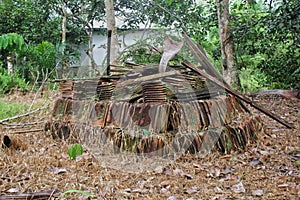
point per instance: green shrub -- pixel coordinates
(253, 80)
(11, 82)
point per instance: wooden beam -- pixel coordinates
(236, 94)
(200, 55)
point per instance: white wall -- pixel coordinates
(126, 38)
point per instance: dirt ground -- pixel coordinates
(268, 169)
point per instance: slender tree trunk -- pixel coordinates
(90, 53)
(229, 66)
(111, 26)
(63, 39)
(64, 29)
(91, 47)
(9, 64)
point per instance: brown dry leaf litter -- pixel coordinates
(269, 169)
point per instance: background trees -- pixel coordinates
(265, 33)
(34, 20)
(267, 42)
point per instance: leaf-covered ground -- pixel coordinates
(269, 169)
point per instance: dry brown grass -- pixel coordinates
(37, 162)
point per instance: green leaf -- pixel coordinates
(74, 151)
(146, 132)
(1, 43)
(5, 43)
(75, 191)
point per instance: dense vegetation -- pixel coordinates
(266, 36)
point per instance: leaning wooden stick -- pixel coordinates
(25, 131)
(37, 195)
(22, 125)
(24, 115)
(235, 93)
(200, 55)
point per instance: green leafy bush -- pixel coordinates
(11, 41)
(253, 79)
(141, 53)
(11, 82)
(39, 60)
(271, 30)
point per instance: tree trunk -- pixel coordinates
(63, 39)
(90, 51)
(64, 29)
(111, 26)
(91, 47)
(9, 64)
(229, 66)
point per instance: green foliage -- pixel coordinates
(253, 80)
(8, 109)
(37, 59)
(28, 60)
(74, 151)
(10, 82)
(40, 21)
(147, 133)
(10, 45)
(11, 42)
(141, 55)
(272, 31)
(34, 20)
(45, 54)
(268, 28)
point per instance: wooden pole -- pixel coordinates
(236, 94)
(200, 55)
(109, 37)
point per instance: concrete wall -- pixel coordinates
(126, 39)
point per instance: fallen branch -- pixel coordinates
(25, 131)
(36, 195)
(290, 94)
(236, 94)
(24, 115)
(21, 125)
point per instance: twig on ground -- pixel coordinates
(24, 115)
(36, 195)
(25, 131)
(21, 125)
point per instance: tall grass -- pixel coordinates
(10, 109)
